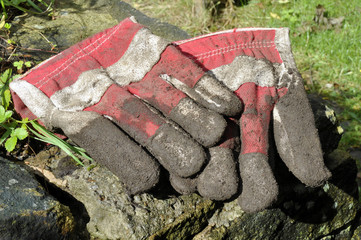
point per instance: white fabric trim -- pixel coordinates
(245, 69)
(143, 52)
(283, 45)
(44, 109)
(38, 103)
(86, 91)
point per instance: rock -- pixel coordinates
(340, 209)
(27, 211)
(330, 131)
(115, 215)
(341, 165)
(301, 212)
(41, 37)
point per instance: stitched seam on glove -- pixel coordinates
(72, 61)
(236, 30)
(258, 44)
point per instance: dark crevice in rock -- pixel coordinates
(188, 225)
(279, 229)
(356, 223)
(299, 202)
(338, 233)
(77, 208)
(311, 206)
(164, 190)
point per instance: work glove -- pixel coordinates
(258, 66)
(126, 95)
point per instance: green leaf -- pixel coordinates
(11, 143)
(2, 111)
(5, 136)
(17, 2)
(6, 98)
(9, 41)
(44, 135)
(7, 26)
(20, 133)
(2, 114)
(34, 6)
(23, 126)
(28, 64)
(18, 64)
(8, 114)
(5, 75)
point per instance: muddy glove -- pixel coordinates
(258, 65)
(126, 75)
(219, 179)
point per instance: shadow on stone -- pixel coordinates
(301, 203)
(77, 208)
(164, 190)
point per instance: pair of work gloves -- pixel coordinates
(136, 102)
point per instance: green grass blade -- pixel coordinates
(61, 145)
(44, 135)
(31, 3)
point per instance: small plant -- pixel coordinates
(14, 130)
(5, 79)
(21, 65)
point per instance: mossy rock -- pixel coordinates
(41, 37)
(27, 211)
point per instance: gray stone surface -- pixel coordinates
(329, 130)
(115, 215)
(300, 211)
(27, 211)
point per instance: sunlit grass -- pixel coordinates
(328, 59)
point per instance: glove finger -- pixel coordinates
(111, 148)
(183, 185)
(184, 74)
(259, 188)
(219, 179)
(202, 124)
(297, 138)
(173, 148)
